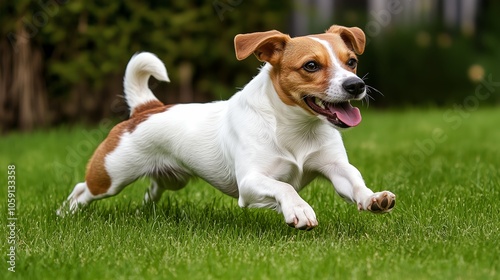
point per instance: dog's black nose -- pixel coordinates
(354, 85)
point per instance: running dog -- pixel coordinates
(262, 146)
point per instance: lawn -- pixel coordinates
(443, 165)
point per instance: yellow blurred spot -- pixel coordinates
(444, 40)
(476, 73)
(423, 39)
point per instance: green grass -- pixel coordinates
(443, 167)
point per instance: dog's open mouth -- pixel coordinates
(341, 114)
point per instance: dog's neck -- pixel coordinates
(261, 95)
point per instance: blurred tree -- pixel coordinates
(424, 52)
(74, 53)
(23, 95)
(64, 60)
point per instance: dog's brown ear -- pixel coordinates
(353, 37)
(267, 46)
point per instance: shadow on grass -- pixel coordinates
(215, 218)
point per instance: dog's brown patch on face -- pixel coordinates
(288, 56)
(291, 81)
(97, 178)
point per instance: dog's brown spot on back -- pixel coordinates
(97, 178)
(144, 111)
(150, 105)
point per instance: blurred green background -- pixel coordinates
(63, 61)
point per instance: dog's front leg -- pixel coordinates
(260, 191)
(349, 184)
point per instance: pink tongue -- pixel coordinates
(346, 113)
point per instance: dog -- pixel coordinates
(262, 146)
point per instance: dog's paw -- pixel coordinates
(63, 210)
(74, 201)
(300, 216)
(380, 202)
(69, 207)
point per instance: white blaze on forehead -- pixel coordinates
(339, 74)
(329, 49)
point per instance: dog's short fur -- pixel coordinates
(261, 146)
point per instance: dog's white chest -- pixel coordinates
(292, 169)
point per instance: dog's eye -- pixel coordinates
(352, 63)
(311, 66)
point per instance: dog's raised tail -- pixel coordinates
(135, 83)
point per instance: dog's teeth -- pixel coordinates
(319, 102)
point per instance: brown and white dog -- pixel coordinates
(262, 146)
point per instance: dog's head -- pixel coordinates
(316, 72)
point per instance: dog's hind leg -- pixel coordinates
(85, 193)
(107, 174)
(70, 204)
(160, 184)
